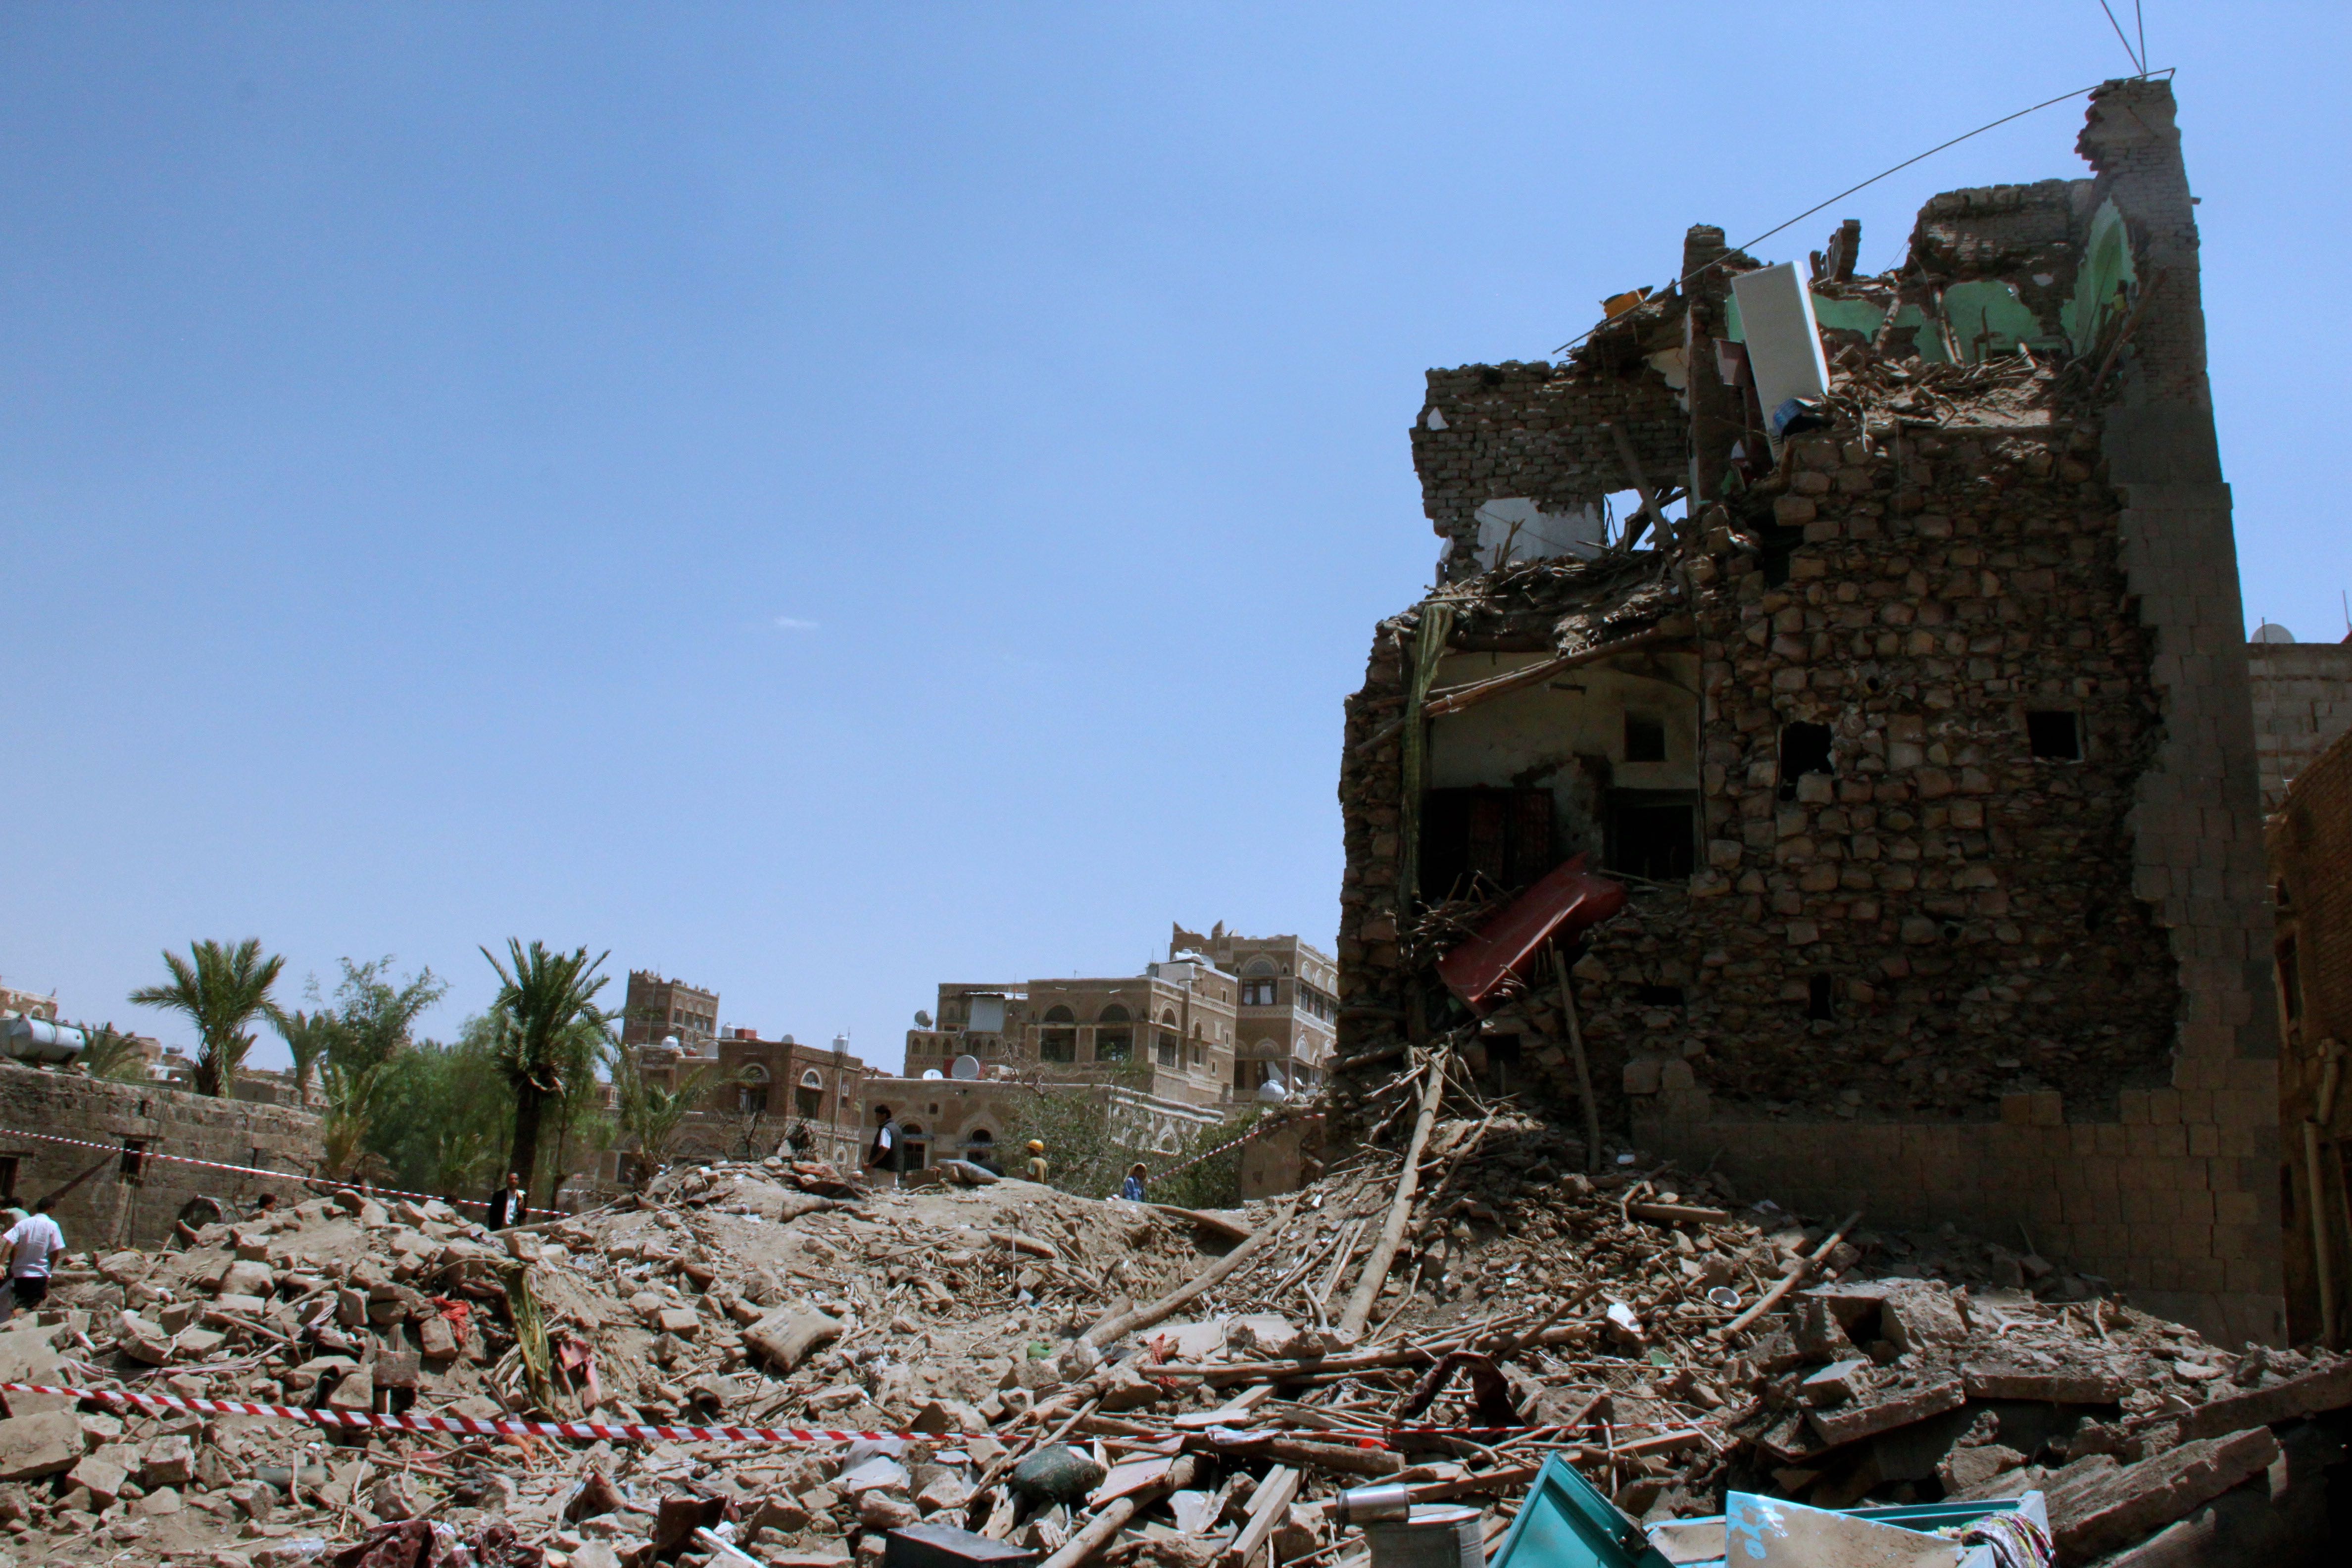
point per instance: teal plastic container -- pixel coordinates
(1566, 1523)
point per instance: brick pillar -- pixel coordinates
(2197, 824)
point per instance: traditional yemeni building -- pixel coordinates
(657, 1008)
(760, 1095)
(1288, 1011)
(1907, 696)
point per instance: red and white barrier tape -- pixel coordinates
(361, 1420)
(1262, 1127)
(591, 1431)
(255, 1170)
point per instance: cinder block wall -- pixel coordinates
(2303, 700)
(107, 1210)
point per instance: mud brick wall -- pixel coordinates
(2303, 700)
(1493, 432)
(107, 1210)
(2310, 845)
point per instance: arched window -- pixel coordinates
(978, 1141)
(1168, 1045)
(918, 1146)
(1167, 1016)
(1257, 967)
(1058, 1040)
(808, 1100)
(1114, 1034)
(752, 1090)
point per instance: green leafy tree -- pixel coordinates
(650, 1114)
(374, 1016)
(307, 1036)
(545, 1001)
(108, 1053)
(444, 1114)
(222, 990)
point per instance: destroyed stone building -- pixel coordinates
(1921, 737)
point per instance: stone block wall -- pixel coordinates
(2303, 700)
(1538, 431)
(111, 1209)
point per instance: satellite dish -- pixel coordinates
(966, 1069)
(922, 1019)
(929, 1073)
(1272, 1092)
(670, 1040)
(2270, 631)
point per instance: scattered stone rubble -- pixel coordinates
(1610, 1319)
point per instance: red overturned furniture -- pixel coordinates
(1566, 900)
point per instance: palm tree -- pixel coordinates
(307, 1037)
(545, 1000)
(111, 1054)
(221, 989)
(650, 1113)
(353, 1096)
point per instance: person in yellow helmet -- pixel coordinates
(1036, 1166)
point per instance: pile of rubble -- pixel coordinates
(1105, 1382)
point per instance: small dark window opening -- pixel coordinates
(1658, 996)
(9, 1176)
(1817, 997)
(1502, 1061)
(1804, 749)
(2286, 1191)
(133, 1167)
(1780, 549)
(1650, 838)
(2285, 901)
(2055, 735)
(1645, 740)
(2290, 980)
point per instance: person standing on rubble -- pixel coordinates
(883, 1153)
(1131, 1189)
(35, 1243)
(1036, 1167)
(506, 1204)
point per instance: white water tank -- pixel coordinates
(39, 1040)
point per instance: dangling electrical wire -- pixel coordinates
(1698, 273)
(2139, 62)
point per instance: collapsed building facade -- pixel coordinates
(1922, 738)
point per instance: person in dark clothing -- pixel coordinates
(506, 1204)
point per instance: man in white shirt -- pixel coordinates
(34, 1243)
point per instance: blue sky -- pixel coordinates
(826, 499)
